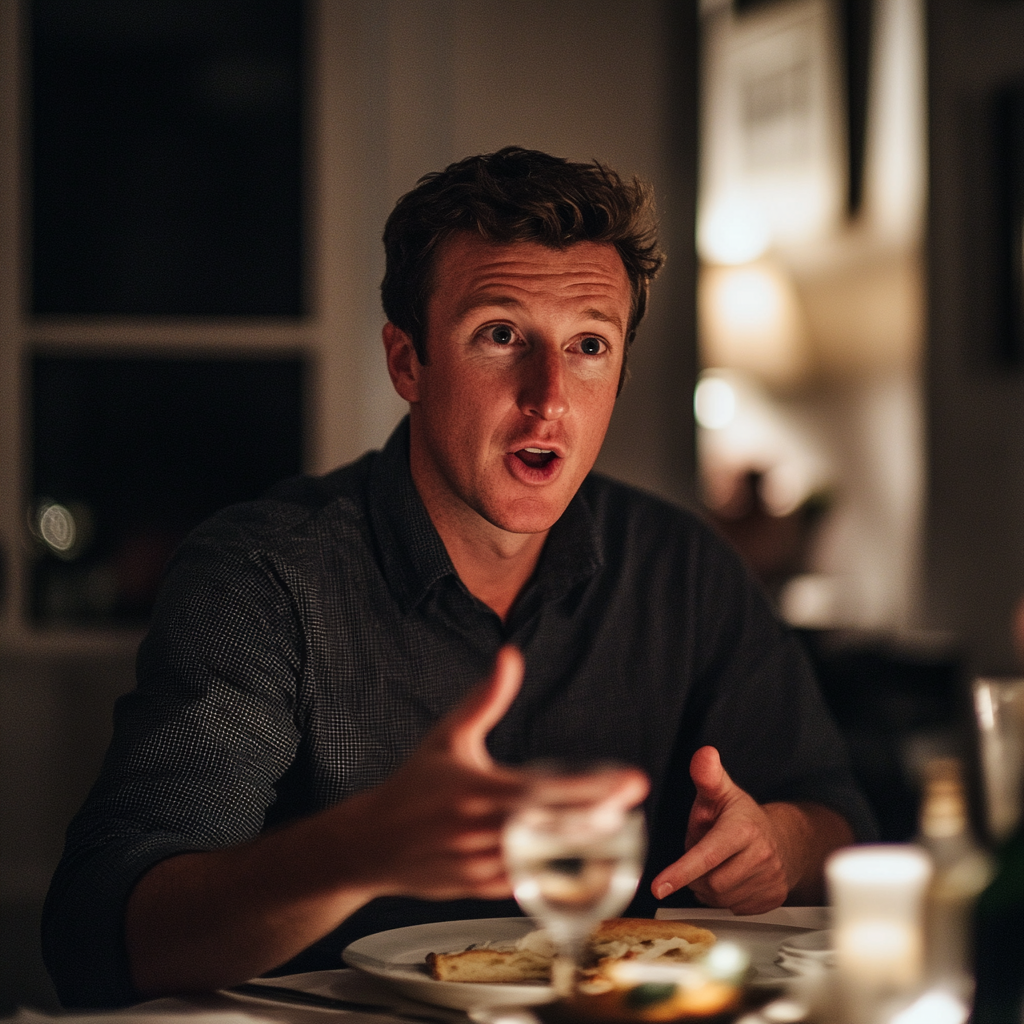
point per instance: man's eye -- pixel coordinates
(590, 346)
(501, 334)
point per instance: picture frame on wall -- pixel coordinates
(775, 117)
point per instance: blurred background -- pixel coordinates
(832, 371)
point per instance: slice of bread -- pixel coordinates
(619, 938)
(489, 965)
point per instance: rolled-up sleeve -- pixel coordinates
(197, 750)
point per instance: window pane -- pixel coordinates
(167, 157)
(128, 454)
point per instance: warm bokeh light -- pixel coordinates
(815, 291)
(749, 300)
(934, 1008)
(786, 487)
(741, 428)
(727, 961)
(750, 319)
(714, 402)
(896, 164)
(810, 601)
(732, 231)
(772, 141)
(56, 527)
(877, 897)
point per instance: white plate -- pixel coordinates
(816, 945)
(398, 956)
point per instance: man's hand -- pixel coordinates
(745, 856)
(433, 830)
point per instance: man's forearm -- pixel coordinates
(807, 833)
(204, 920)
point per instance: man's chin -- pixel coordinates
(528, 515)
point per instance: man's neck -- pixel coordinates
(495, 573)
(494, 564)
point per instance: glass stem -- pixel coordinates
(566, 965)
(563, 975)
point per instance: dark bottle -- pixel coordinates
(961, 872)
(999, 940)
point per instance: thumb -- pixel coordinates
(710, 778)
(466, 727)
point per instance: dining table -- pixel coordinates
(354, 996)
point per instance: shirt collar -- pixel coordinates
(572, 553)
(414, 557)
(412, 553)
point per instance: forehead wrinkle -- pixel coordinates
(513, 267)
(510, 277)
(499, 290)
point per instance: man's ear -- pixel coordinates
(403, 363)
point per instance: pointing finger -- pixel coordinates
(714, 849)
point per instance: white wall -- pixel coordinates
(437, 80)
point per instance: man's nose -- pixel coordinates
(543, 387)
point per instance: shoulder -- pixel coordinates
(651, 545)
(254, 573)
(624, 515)
(275, 549)
(296, 512)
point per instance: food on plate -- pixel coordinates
(619, 939)
(490, 965)
(629, 990)
(638, 938)
(624, 1002)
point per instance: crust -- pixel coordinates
(642, 929)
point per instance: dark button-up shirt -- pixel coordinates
(303, 644)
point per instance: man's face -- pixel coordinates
(524, 346)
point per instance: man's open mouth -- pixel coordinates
(536, 458)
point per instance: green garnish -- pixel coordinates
(649, 993)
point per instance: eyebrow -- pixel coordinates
(596, 314)
(480, 301)
(507, 300)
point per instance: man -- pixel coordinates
(309, 757)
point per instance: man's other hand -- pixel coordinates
(745, 856)
(433, 830)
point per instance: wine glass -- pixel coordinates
(571, 867)
(999, 707)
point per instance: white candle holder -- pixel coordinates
(877, 896)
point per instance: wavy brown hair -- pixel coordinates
(516, 195)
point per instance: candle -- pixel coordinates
(886, 953)
(877, 895)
